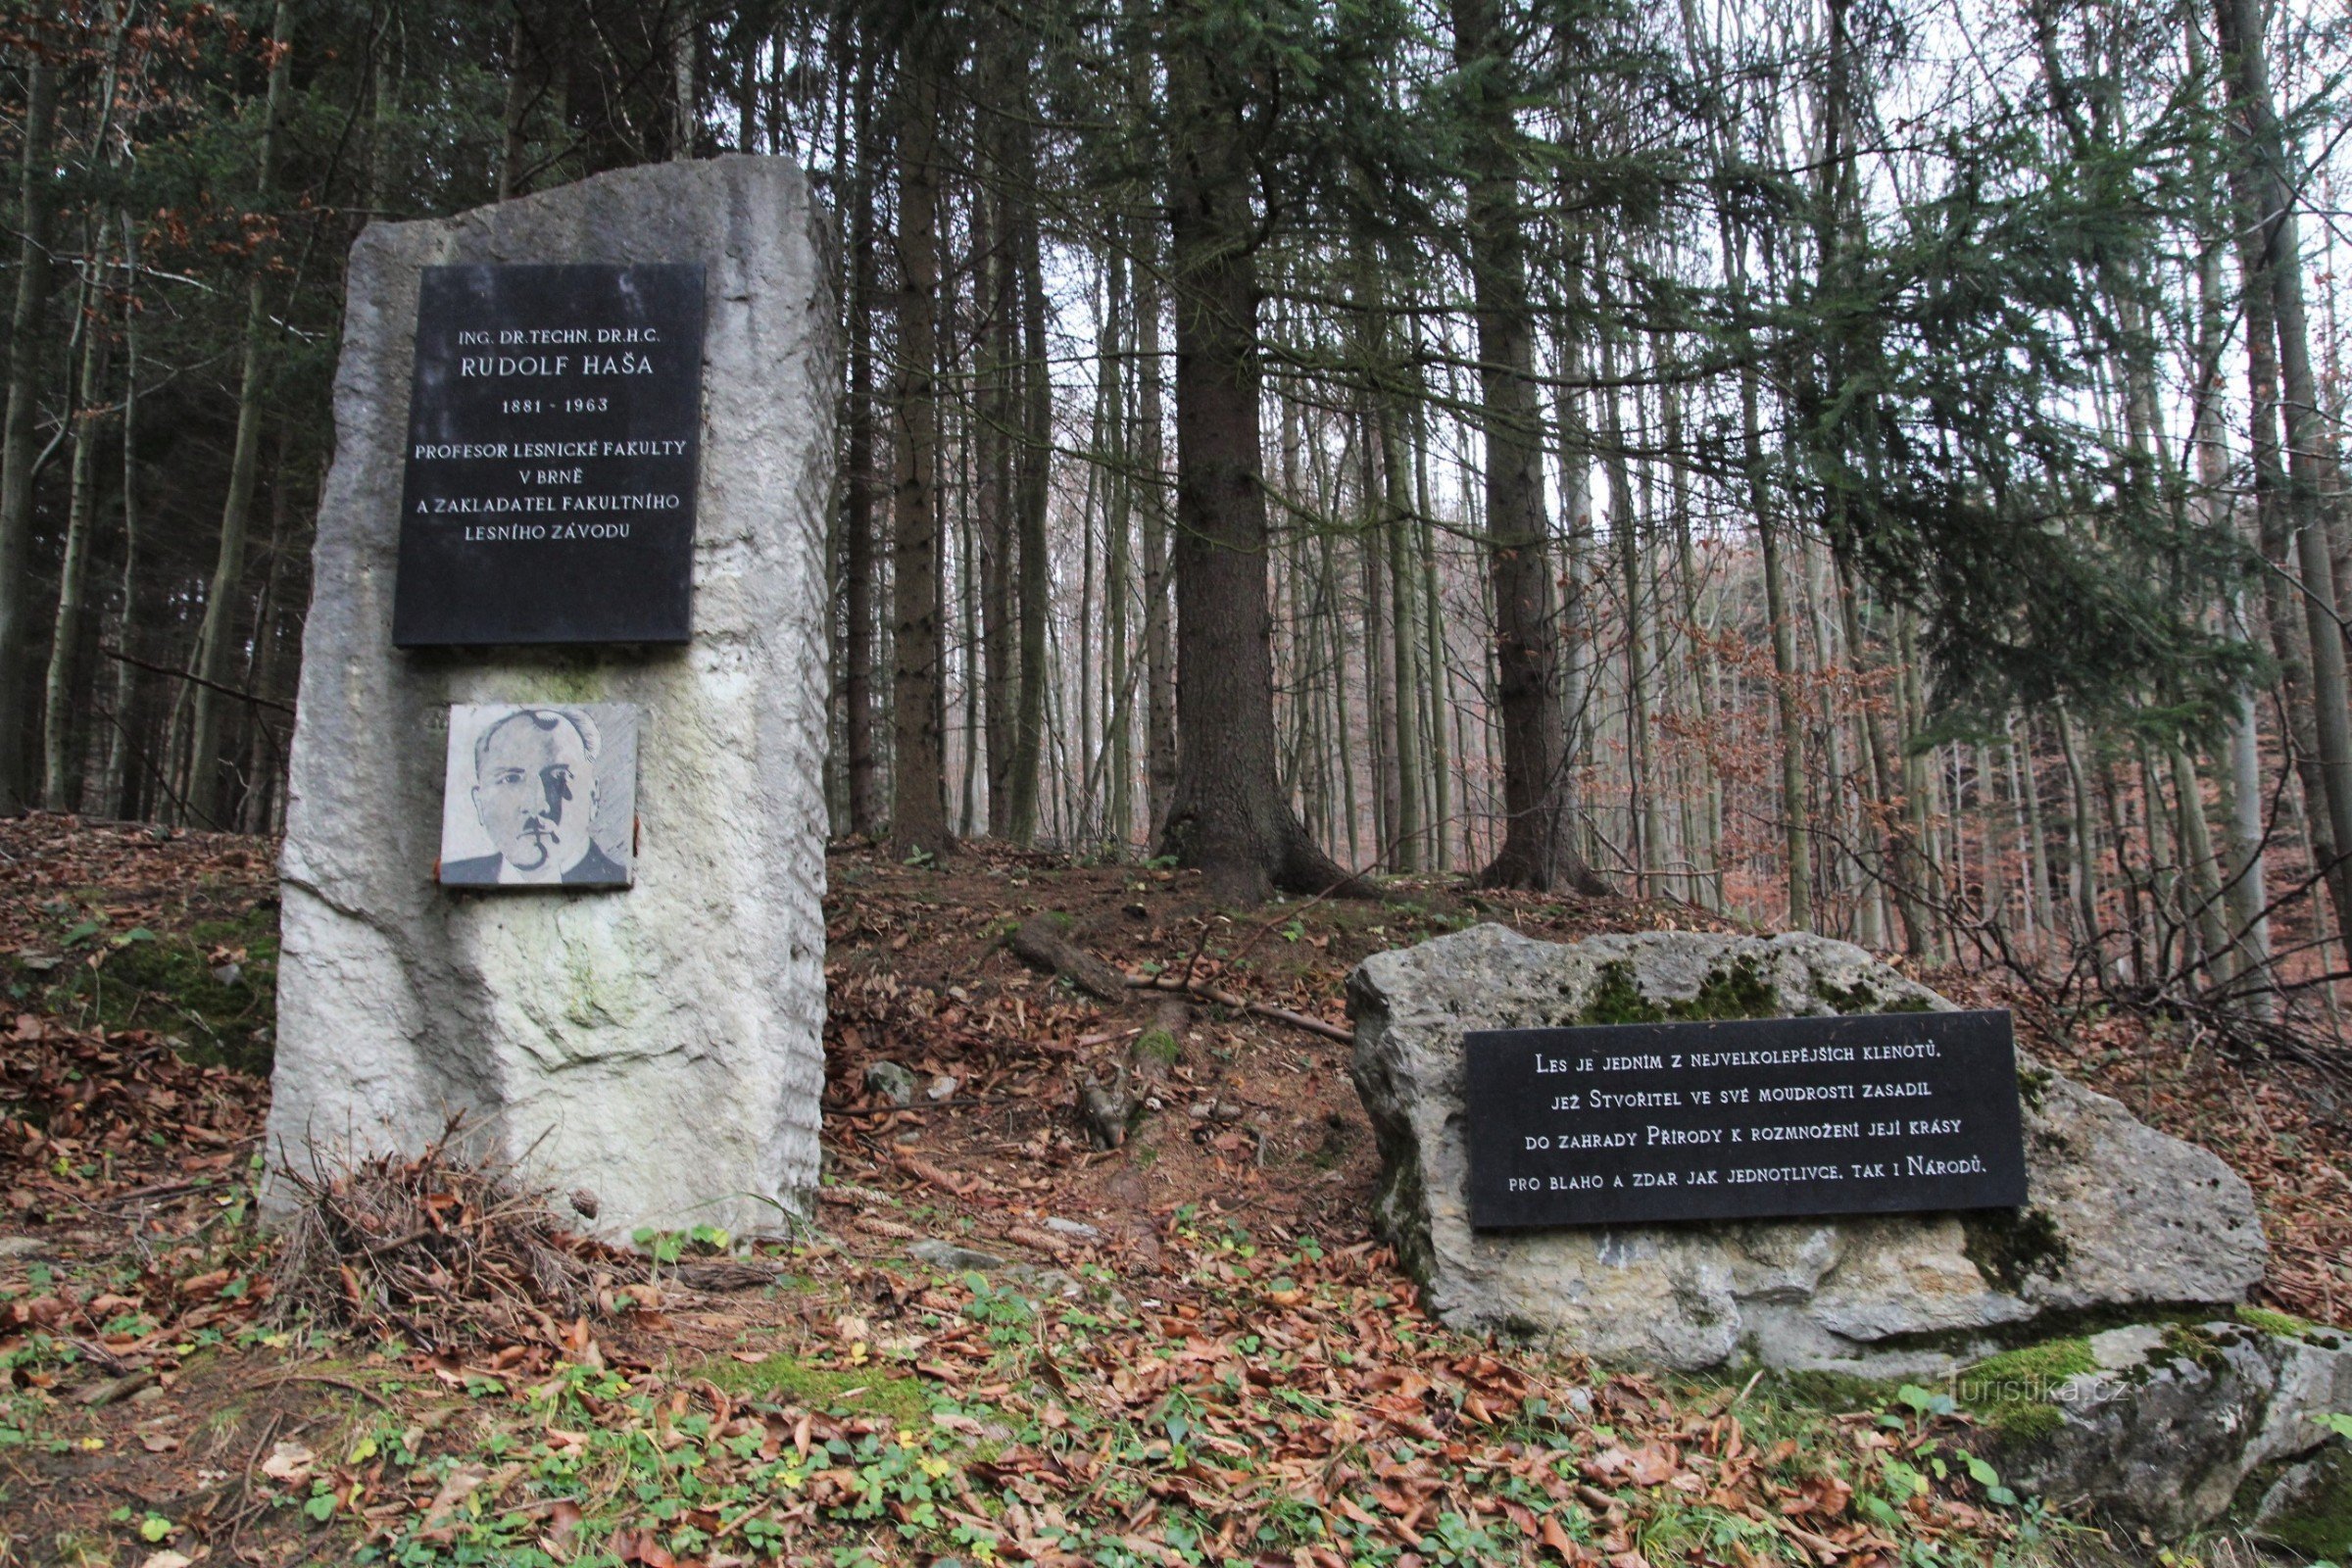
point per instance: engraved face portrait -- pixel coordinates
(539, 795)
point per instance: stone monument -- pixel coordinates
(657, 1045)
(2118, 1217)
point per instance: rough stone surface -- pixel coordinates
(891, 1081)
(2120, 1215)
(658, 1046)
(2163, 1432)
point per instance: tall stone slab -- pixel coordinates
(658, 1046)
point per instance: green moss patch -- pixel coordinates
(2286, 1325)
(2010, 1394)
(1736, 991)
(134, 978)
(785, 1380)
(1158, 1044)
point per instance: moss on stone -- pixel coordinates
(2286, 1325)
(1616, 999)
(2008, 1246)
(2010, 1394)
(1739, 990)
(2318, 1523)
(2184, 1342)
(1860, 997)
(2033, 1086)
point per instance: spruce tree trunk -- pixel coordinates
(857, 481)
(1539, 848)
(1227, 814)
(1032, 475)
(1403, 618)
(222, 599)
(17, 455)
(513, 145)
(918, 815)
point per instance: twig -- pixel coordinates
(1265, 1009)
(195, 680)
(361, 1389)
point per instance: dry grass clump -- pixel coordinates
(436, 1248)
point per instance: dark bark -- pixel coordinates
(224, 599)
(857, 482)
(919, 816)
(1032, 473)
(1538, 849)
(33, 223)
(1228, 815)
(992, 501)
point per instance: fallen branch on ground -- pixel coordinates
(1226, 998)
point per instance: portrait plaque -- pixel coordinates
(1622, 1124)
(555, 421)
(540, 796)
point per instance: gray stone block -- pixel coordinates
(658, 1046)
(2120, 1215)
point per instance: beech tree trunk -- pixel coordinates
(2310, 470)
(222, 599)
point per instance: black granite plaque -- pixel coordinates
(1871, 1113)
(554, 428)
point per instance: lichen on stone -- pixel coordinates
(2008, 1246)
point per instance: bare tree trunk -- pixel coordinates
(859, 566)
(17, 455)
(686, 108)
(115, 793)
(1159, 676)
(513, 144)
(1117, 570)
(1538, 849)
(1228, 815)
(59, 734)
(2309, 469)
(223, 601)
(918, 816)
(1032, 476)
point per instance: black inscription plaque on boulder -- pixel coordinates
(1621, 1124)
(554, 429)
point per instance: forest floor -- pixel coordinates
(1186, 1348)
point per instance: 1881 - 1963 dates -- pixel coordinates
(554, 431)
(1871, 1113)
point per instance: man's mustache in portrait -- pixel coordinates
(544, 827)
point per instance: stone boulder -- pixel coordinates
(2121, 1216)
(2172, 1427)
(660, 1048)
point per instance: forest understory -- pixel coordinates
(1186, 1348)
